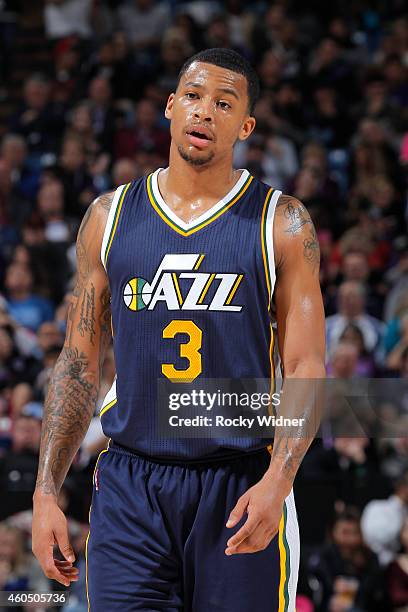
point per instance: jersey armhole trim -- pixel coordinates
(268, 255)
(112, 222)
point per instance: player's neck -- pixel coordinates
(187, 182)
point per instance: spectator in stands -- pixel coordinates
(377, 104)
(270, 71)
(38, 120)
(24, 306)
(15, 367)
(351, 309)
(404, 364)
(144, 22)
(355, 267)
(397, 279)
(65, 84)
(40, 386)
(395, 357)
(365, 365)
(289, 117)
(218, 34)
(397, 574)
(103, 119)
(348, 466)
(382, 521)
(268, 30)
(79, 188)
(395, 76)
(48, 335)
(173, 53)
(240, 21)
(66, 17)
(80, 127)
(328, 123)
(14, 209)
(308, 186)
(379, 139)
(50, 203)
(18, 468)
(280, 162)
(146, 134)
(18, 570)
(125, 79)
(329, 68)
(366, 161)
(124, 171)
(24, 176)
(348, 573)
(344, 360)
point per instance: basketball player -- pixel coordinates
(207, 272)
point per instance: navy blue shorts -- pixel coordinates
(157, 539)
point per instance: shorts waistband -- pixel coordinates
(193, 463)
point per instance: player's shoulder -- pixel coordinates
(294, 231)
(102, 203)
(291, 215)
(94, 220)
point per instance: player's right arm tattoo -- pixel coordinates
(73, 388)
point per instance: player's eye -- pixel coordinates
(223, 105)
(191, 95)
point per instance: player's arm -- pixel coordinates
(72, 391)
(301, 336)
(301, 340)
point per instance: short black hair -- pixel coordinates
(227, 58)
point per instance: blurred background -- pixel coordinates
(83, 85)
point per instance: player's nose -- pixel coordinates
(204, 111)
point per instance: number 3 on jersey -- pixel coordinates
(190, 350)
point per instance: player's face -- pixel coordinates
(208, 113)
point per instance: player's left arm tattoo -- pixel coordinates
(295, 221)
(311, 250)
(300, 324)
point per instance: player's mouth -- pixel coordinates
(199, 137)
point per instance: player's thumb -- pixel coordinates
(61, 535)
(237, 512)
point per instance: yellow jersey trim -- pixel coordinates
(155, 204)
(105, 450)
(115, 221)
(108, 406)
(263, 244)
(282, 557)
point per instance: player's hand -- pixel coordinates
(50, 528)
(263, 504)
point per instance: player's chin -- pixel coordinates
(194, 156)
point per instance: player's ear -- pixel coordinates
(247, 128)
(169, 107)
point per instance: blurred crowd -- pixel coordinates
(331, 130)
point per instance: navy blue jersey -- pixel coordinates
(189, 300)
